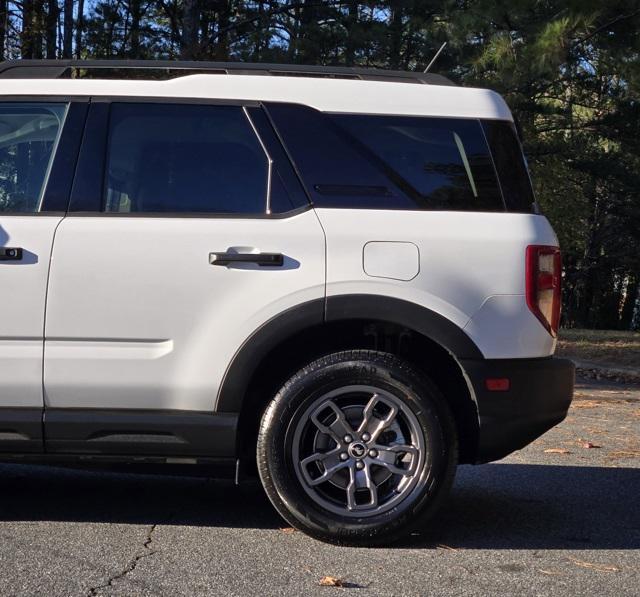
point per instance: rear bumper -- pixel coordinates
(538, 398)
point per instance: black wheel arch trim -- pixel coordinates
(411, 315)
(415, 317)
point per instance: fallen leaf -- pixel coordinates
(592, 566)
(590, 445)
(557, 451)
(447, 547)
(586, 404)
(331, 581)
(288, 530)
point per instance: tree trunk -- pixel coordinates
(351, 22)
(26, 35)
(587, 283)
(3, 27)
(136, 16)
(67, 40)
(222, 42)
(395, 38)
(630, 302)
(295, 35)
(39, 19)
(79, 28)
(53, 13)
(190, 19)
(262, 31)
(33, 19)
(309, 50)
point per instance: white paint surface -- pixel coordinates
(331, 95)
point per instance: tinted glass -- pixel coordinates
(440, 163)
(334, 170)
(28, 137)
(184, 158)
(510, 164)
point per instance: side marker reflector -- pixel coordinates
(497, 384)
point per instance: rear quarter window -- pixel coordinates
(440, 163)
(389, 162)
(510, 165)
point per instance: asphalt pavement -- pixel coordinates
(560, 517)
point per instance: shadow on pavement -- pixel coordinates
(526, 506)
(496, 506)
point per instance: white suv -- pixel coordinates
(341, 270)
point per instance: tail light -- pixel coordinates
(544, 275)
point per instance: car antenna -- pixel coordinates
(426, 70)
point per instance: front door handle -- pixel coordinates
(262, 259)
(10, 253)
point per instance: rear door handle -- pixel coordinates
(10, 253)
(262, 259)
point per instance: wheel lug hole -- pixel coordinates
(359, 465)
(366, 437)
(344, 456)
(373, 453)
(348, 439)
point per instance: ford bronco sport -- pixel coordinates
(338, 277)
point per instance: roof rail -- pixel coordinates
(167, 69)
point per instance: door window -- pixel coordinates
(182, 158)
(29, 134)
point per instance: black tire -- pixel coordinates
(312, 504)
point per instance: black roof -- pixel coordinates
(164, 69)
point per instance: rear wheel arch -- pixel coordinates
(291, 340)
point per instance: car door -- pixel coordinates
(36, 138)
(187, 231)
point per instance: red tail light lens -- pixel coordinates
(544, 284)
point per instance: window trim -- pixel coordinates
(267, 201)
(86, 198)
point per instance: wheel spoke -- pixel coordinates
(331, 464)
(371, 486)
(388, 457)
(338, 428)
(361, 479)
(373, 425)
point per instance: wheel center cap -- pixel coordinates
(357, 450)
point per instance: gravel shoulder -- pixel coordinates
(557, 518)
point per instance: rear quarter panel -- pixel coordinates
(471, 269)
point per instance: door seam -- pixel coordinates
(44, 330)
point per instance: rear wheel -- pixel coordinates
(357, 448)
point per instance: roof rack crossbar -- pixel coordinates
(56, 69)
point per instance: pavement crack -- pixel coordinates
(148, 551)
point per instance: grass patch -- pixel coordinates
(611, 347)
